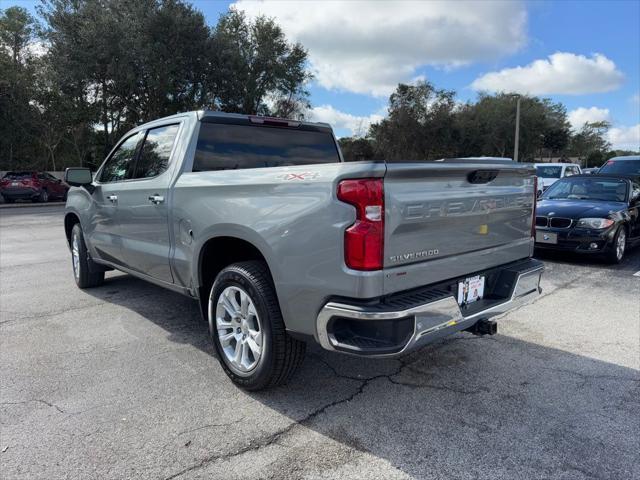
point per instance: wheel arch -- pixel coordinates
(219, 252)
(70, 219)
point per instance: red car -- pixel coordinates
(34, 186)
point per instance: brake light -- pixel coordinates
(273, 121)
(535, 201)
(364, 240)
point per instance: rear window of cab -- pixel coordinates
(232, 147)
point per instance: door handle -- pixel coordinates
(156, 199)
(112, 198)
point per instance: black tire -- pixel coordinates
(9, 200)
(44, 196)
(281, 354)
(616, 252)
(84, 275)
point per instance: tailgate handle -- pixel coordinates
(482, 176)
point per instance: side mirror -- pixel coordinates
(78, 176)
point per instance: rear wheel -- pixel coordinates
(616, 254)
(9, 200)
(44, 196)
(248, 332)
(81, 263)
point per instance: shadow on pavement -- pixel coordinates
(466, 407)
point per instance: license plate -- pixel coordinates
(471, 290)
(14, 184)
(546, 237)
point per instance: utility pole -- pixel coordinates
(517, 142)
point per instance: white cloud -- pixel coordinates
(625, 138)
(357, 125)
(580, 116)
(561, 73)
(369, 46)
(635, 99)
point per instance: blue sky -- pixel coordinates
(584, 54)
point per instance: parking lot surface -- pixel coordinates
(121, 382)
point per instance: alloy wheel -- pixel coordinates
(75, 254)
(239, 330)
(621, 244)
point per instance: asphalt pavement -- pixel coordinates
(121, 381)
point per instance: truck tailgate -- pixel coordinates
(443, 220)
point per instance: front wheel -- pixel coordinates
(81, 263)
(248, 332)
(616, 254)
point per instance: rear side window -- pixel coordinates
(156, 150)
(230, 147)
(120, 164)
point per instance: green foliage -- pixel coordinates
(590, 143)
(356, 149)
(425, 123)
(71, 87)
(256, 67)
(419, 124)
(111, 64)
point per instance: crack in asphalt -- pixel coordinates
(202, 427)
(107, 301)
(587, 377)
(52, 405)
(36, 400)
(273, 438)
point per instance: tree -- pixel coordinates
(590, 144)
(255, 70)
(487, 126)
(356, 149)
(418, 126)
(17, 71)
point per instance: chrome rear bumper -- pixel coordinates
(431, 321)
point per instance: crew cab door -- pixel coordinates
(142, 205)
(104, 230)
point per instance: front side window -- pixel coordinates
(120, 164)
(230, 147)
(156, 150)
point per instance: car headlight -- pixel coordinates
(597, 223)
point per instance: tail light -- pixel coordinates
(364, 240)
(535, 201)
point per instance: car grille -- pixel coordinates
(542, 221)
(553, 222)
(559, 222)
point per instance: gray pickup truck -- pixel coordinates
(281, 242)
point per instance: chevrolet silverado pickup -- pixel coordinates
(282, 242)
